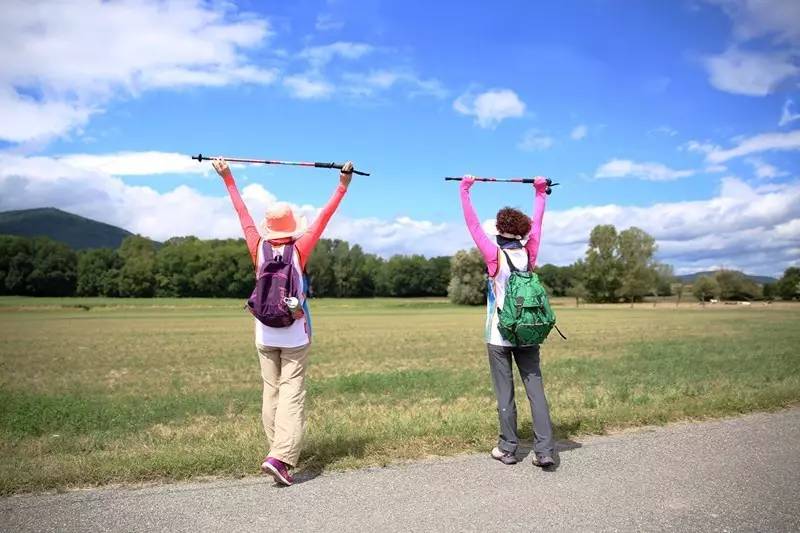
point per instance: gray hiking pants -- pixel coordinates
(527, 359)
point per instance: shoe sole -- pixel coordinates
(267, 468)
(543, 465)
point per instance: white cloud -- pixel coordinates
(308, 88)
(491, 107)
(750, 73)
(770, 25)
(787, 115)
(327, 22)
(579, 132)
(625, 168)
(76, 58)
(764, 142)
(375, 81)
(758, 18)
(534, 141)
(135, 163)
(742, 227)
(764, 170)
(754, 229)
(319, 56)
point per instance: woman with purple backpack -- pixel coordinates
(282, 326)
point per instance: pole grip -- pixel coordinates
(453, 179)
(339, 167)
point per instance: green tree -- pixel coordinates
(788, 287)
(467, 278)
(577, 291)
(16, 262)
(137, 276)
(320, 270)
(705, 288)
(98, 272)
(677, 290)
(735, 285)
(636, 251)
(557, 279)
(603, 267)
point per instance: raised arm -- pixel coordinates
(251, 235)
(487, 249)
(534, 237)
(305, 244)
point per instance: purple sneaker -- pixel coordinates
(278, 469)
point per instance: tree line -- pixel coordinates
(188, 266)
(621, 266)
(617, 266)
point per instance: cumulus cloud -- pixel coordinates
(62, 64)
(625, 168)
(764, 53)
(745, 227)
(135, 163)
(750, 73)
(579, 132)
(491, 107)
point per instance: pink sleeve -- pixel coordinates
(487, 249)
(251, 235)
(534, 237)
(305, 244)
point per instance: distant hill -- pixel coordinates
(689, 278)
(76, 231)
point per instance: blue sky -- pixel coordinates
(679, 117)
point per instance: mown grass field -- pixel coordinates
(97, 391)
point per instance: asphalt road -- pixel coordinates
(738, 474)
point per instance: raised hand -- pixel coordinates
(540, 184)
(221, 166)
(346, 174)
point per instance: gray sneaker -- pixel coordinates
(507, 458)
(543, 460)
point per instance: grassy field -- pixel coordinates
(99, 390)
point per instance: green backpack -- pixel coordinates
(526, 317)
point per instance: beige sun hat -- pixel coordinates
(279, 222)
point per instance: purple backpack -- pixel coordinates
(274, 282)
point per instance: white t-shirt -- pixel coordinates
(497, 292)
(298, 334)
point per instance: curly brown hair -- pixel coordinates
(513, 221)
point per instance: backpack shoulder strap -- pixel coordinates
(266, 250)
(288, 252)
(511, 264)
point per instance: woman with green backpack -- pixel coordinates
(509, 258)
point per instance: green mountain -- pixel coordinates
(77, 232)
(689, 278)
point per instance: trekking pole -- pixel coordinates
(317, 164)
(549, 189)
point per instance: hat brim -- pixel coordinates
(268, 234)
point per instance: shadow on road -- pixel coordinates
(319, 454)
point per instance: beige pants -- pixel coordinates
(283, 371)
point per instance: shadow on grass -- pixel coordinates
(325, 451)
